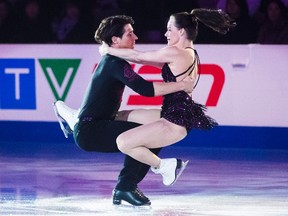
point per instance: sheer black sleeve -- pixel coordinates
(130, 78)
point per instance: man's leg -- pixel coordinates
(128, 179)
(133, 173)
(100, 136)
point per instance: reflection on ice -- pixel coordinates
(216, 205)
(212, 184)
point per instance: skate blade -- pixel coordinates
(124, 206)
(183, 166)
(60, 120)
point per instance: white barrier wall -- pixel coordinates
(242, 85)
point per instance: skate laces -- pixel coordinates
(140, 193)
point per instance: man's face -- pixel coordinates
(128, 39)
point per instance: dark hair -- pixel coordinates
(217, 20)
(112, 26)
(243, 6)
(280, 4)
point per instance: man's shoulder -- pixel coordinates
(110, 62)
(113, 58)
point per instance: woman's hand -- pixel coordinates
(103, 49)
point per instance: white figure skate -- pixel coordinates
(65, 115)
(170, 169)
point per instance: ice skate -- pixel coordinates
(170, 169)
(65, 115)
(135, 198)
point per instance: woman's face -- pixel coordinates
(3, 11)
(32, 10)
(273, 12)
(172, 34)
(72, 11)
(233, 9)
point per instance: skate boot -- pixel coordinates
(170, 169)
(67, 115)
(134, 197)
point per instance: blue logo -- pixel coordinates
(17, 84)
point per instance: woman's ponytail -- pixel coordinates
(217, 20)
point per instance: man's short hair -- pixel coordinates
(112, 26)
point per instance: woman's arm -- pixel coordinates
(156, 58)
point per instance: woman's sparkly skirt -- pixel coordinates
(180, 109)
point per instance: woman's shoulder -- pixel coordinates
(171, 48)
(173, 51)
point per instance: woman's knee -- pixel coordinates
(122, 143)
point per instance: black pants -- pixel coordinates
(100, 136)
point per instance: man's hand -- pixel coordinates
(188, 84)
(103, 49)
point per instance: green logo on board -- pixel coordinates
(60, 74)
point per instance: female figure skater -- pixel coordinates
(179, 112)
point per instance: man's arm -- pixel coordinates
(122, 71)
(161, 88)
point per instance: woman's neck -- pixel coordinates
(184, 44)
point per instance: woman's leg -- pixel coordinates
(137, 141)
